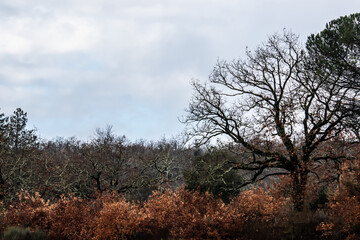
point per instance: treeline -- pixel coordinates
(111, 188)
(107, 162)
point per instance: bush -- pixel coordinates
(19, 233)
(117, 220)
(71, 218)
(180, 214)
(68, 218)
(38, 235)
(29, 212)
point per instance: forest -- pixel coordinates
(271, 151)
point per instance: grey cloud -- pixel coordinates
(77, 65)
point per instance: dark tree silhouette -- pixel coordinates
(273, 97)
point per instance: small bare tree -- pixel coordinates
(274, 97)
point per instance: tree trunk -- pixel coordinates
(299, 179)
(97, 180)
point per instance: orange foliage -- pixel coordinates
(254, 212)
(70, 218)
(118, 219)
(182, 215)
(30, 211)
(174, 214)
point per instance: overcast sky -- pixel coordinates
(76, 65)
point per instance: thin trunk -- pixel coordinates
(2, 187)
(97, 180)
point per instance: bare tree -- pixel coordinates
(106, 160)
(271, 96)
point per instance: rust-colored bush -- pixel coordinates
(71, 218)
(191, 215)
(29, 211)
(117, 219)
(181, 215)
(68, 218)
(254, 214)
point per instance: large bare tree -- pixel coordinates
(273, 97)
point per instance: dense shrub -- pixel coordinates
(18, 233)
(70, 218)
(182, 215)
(177, 214)
(254, 214)
(117, 220)
(30, 211)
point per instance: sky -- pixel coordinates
(78, 65)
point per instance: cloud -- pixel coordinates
(78, 65)
(44, 35)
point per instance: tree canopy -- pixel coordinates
(279, 106)
(336, 51)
